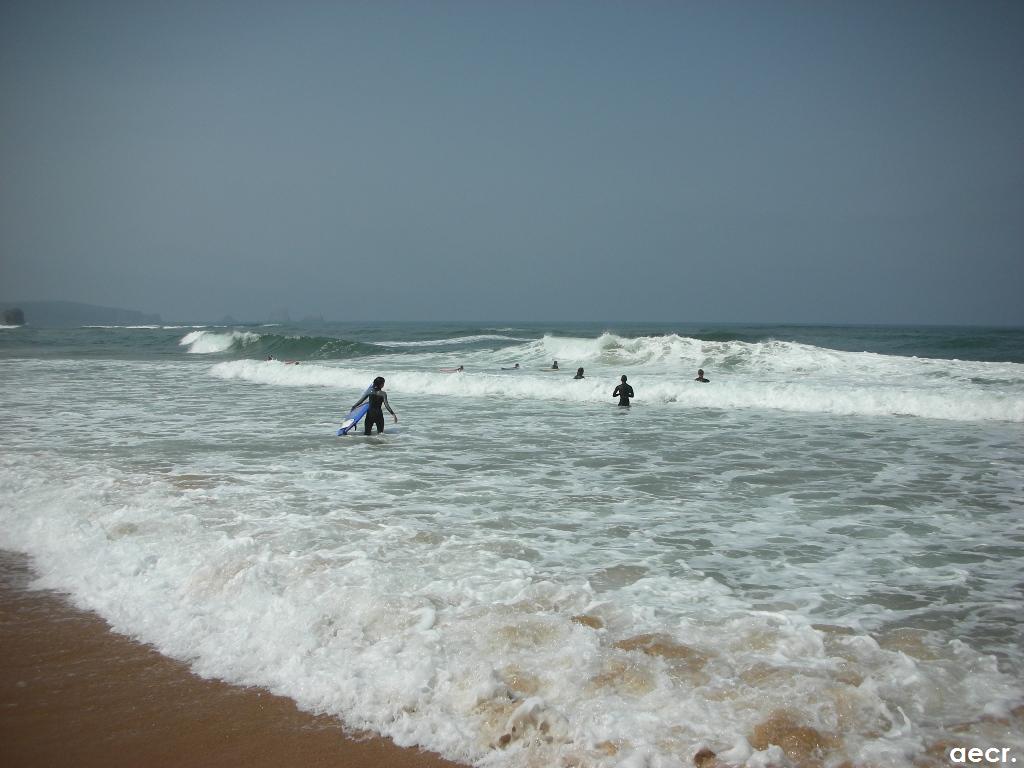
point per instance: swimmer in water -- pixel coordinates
(623, 392)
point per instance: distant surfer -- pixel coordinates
(623, 392)
(513, 368)
(579, 373)
(700, 376)
(452, 370)
(554, 365)
(378, 400)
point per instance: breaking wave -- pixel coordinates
(263, 345)
(925, 398)
(450, 342)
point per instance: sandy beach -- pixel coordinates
(74, 693)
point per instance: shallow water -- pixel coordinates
(520, 572)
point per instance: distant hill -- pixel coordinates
(70, 313)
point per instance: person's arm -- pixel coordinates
(615, 393)
(361, 399)
(388, 406)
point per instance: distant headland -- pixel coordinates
(49, 314)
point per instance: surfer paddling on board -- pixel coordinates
(378, 400)
(460, 369)
(623, 392)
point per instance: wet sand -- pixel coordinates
(72, 693)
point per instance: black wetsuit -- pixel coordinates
(623, 392)
(377, 398)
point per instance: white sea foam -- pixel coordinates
(865, 395)
(454, 641)
(208, 342)
(446, 342)
(144, 327)
(523, 578)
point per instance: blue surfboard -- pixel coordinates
(353, 419)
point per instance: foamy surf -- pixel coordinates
(454, 341)
(210, 342)
(471, 649)
(522, 574)
(860, 395)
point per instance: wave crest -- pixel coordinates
(452, 342)
(804, 396)
(212, 342)
(261, 345)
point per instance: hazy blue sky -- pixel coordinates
(707, 161)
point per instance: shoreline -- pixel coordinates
(74, 693)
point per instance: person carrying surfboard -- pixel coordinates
(623, 392)
(378, 400)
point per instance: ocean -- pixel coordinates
(816, 557)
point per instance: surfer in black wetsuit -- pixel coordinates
(623, 392)
(378, 401)
(579, 373)
(700, 376)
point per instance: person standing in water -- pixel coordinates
(378, 401)
(700, 376)
(623, 392)
(579, 373)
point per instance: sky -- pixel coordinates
(719, 161)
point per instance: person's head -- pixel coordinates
(579, 370)
(378, 383)
(623, 379)
(700, 372)
(516, 365)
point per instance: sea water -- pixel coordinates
(820, 551)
